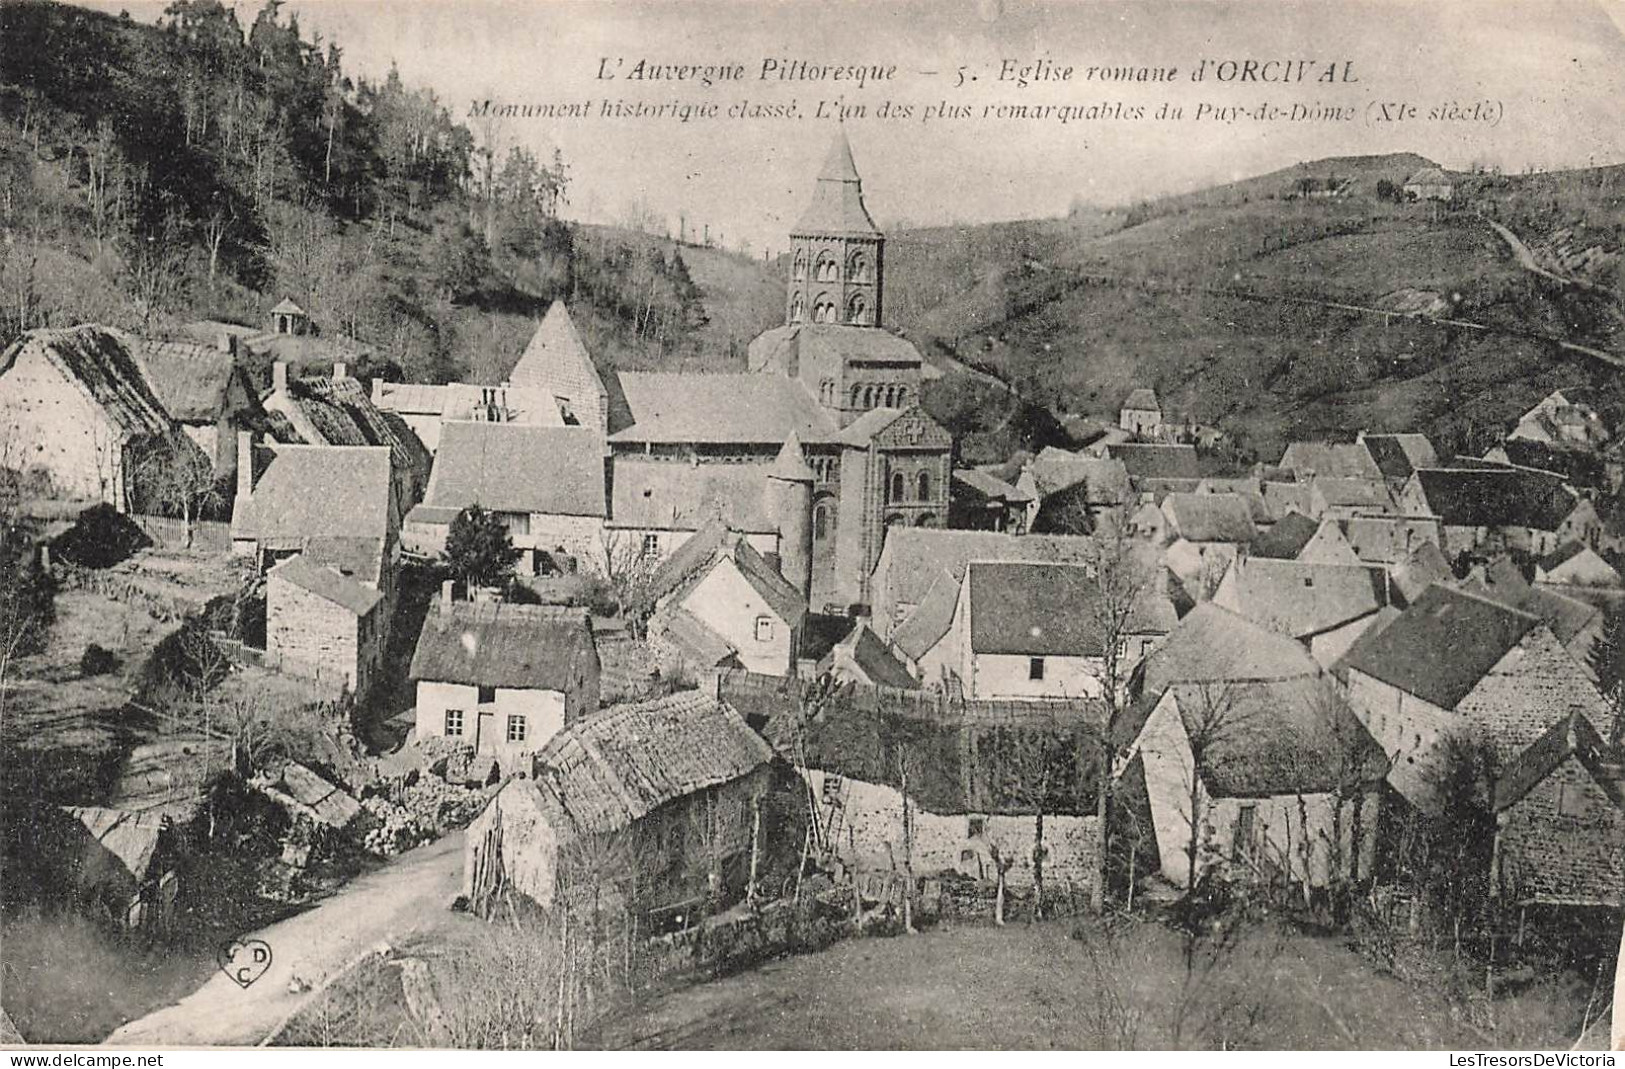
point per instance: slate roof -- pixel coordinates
(1398, 455)
(519, 467)
(1143, 399)
(666, 494)
(497, 644)
(1144, 460)
(819, 344)
(1286, 538)
(192, 381)
(1105, 481)
(1211, 517)
(741, 409)
(1331, 460)
(837, 207)
(328, 583)
(1425, 566)
(103, 363)
(1282, 499)
(876, 662)
(1212, 644)
(1388, 539)
(287, 307)
(1566, 616)
(694, 636)
(1368, 494)
(1579, 465)
(131, 837)
(916, 556)
(933, 614)
(1562, 555)
(987, 485)
(1032, 609)
(1302, 600)
(1291, 736)
(1497, 497)
(556, 353)
(1442, 645)
(713, 542)
(1572, 736)
(314, 491)
(616, 766)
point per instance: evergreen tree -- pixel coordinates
(479, 548)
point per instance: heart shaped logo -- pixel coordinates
(245, 960)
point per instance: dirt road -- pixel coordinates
(408, 896)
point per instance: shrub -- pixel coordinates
(96, 661)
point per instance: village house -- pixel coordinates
(1398, 456)
(124, 865)
(1429, 183)
(206, 393)
(1141, 415)
(1249, 488)
(1390, 540)
(1459, 664)
(1575, 564)
(546, 485)
(718, 601)
(862, 658)
(289, 335)
(1297, 537)
(503, 678)
(75, 405)
(671, 786)
(1577, 624)
(324, 623)
(1203, 534)
(1074, 492)
(1560, 820)
(1264, 781)
(1408, 578)
(1154, 470)
(1491, 508)
(426, 407)
(1561, 418)
(1343, 498)
(980, 500)
(1212, 645)
(1284, 496)
(1324, 606)
(1330, 460)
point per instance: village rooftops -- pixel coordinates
(1426, 565)
(328, 410)
(1211, 517)
(819, 344)
(722, 409)
(1286, 538)
(330, 584)
(1442, 645)
(315, 491)
(1105, 481)
(1302, 599)
(695, 557)
(1572, 736)
(988, 485)
(497, 644)
(1033, 609)
(191, 380)
(1144, 460)
(620, 764)
(104, 364)
(1143, 399)
(1497, 497)
(916, 556)
(872, 658)
(519, 467)
(1334, 460)
(1398, 455)
(1214, 645)
(556, 355)
(662, 495)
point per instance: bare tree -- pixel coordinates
(176, 479)
(629, 572)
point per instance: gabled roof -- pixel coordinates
(342, 413)
(1214, 645)
(496, 644)
(1143, 399)
(669, 495)
(315, 491)
(917, 556)
(1563, 554)
(1425, 566)
(782, 349)
(1144, 460)
(1368, 494)
(742, 408)
(1211, 517)
(1497, 497)
(1282, 499)
(698, 640)
(1033, 609)
(837, 204)
(712, 543)
(519, 467)
(1388, 539)
(1333, 460)
(1293, 736)
(1398, 455)
(1428, 176)
(1442, 645)
(103, 364)
(1572, 736)
(1286, 539)
(192, 381)
(1303, 600)
(287, 307)
(932, 616)
(878, 664)
(329, 583)
(987, 485)
(1566, 616)
(1105, 481)
(556, 356)
(622, 763)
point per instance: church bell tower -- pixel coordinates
(837, 253)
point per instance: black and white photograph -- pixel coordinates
(624, 525)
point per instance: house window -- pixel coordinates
(488, 695)
(1035, 668)
(651, 545)
(764, 629)
(820, 523)
(516, 728)
(454, 722)
(1246, 818)
(566, 412)
(975, 827)
(1571, 801)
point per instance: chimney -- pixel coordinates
(445, 596)
(223, 341)
(245, 464)
(377, 390)
(279, 377)
(340, 370)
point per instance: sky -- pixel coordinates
(1549, 76)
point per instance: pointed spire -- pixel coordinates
(791, 465)
(837, 206)
(838, 167)
(556, 355)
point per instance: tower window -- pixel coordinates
(801, 263)
(820, 523)
(857, 309)
(824, 309)
(902, 397)
(798, 309)
(896, 487)
(925, 486)
(858, 268)
(826, 392)
(827, 270)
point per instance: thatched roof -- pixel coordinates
(102, 362)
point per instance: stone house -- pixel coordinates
(1212, 645)
(546, 484)
(1429, 183)
(980, 500)
(863, 658)
(557, 366)
(1336, 498)
(1398, 456)
(503, 678)
(1560, 820)
(426, 407)
(717, 601)
(324, 624)
(1141, 415)
(1576, 624)
(206, 393)
(1073, 491)
(1330, 460)
(1324, 606)
(75, 405)
(1575, 564)
(1459, 664)
(1150, 464)
(672, 786)
(1277, 779)
(1561, 418)
(1390, 540)
(1490, 508)
(1297, 537)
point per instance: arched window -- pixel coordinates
(925, 486)
(798, 308)
(894, 520)
(926, 520)
(827, 270)
(868, 397)
(801, 263)
(820, 523)
(824, 309)
(857, 309)
(902, 397)
(857, 396)
(857, 268)
(896, 487)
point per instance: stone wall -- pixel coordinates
(310, 630)
(1563, 841)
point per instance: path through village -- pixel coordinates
(408, 897)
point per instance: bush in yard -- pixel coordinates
(96, 661)
(479, 548)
